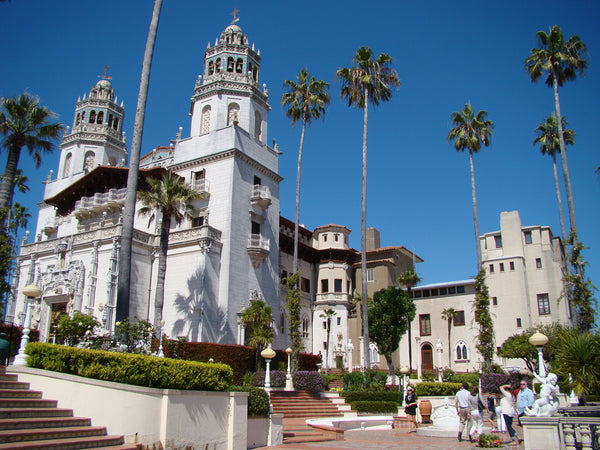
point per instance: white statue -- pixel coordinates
(548, 403)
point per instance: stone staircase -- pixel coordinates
(29, 422)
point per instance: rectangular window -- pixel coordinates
(501, 267)
(498, 241)
(538, 263)
(339, 321)
(512, 265)
(518, 322)
(417, 294)
(425, 292)
(443, 291)
(460, 289)
(197, 221)
(459, 318)
(491, 268)
(495, 301)
(370, 275)
(324, 345)
(527, 235)
(257, 180)
(543, 304)
(324, 286)
(452, 290)
(305, 284)
(434, 292)
(337, 285)
(425, 324)
(255, 228)
(324, 324)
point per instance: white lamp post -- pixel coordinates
(31, 292)
(539, 340)
(161, 354)
(404, 371)
(440, 348)
(268, 353)
(350, 349)
(289, 386)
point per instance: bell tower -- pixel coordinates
(228, 92)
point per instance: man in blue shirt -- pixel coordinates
(524, 398)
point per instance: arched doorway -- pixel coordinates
(426, 358)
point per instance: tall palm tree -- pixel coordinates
(409, 279)
(470, 131)
(173, 198)
(24, 123)
(122, 310)
(369, 80)
(561, 61)
(306, 100)
(548, 138)
(449, 314)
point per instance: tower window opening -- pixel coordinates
(218, 65)
(255, 73)
(233, 113)
(211, 67)
(77, 119)
(230, 64)
(100, 118)
(239, 65)
(116, 123)
(205, 121)
(92, 116)
(110, 120)
(67, 167)
(257, 125)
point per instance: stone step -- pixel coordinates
(26, 403)
(42, 434)
(8, 377)
(14, 413)
(19, 393)
(13, 385)
(97, 442)
(43, 422)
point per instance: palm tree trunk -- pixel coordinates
(449, 343)
(159, 298)
(475, 217)
(565, 167)
(410, 345)
(559, 199)
(8, 181)
(363, 237)
(134, 166)
(297, 222)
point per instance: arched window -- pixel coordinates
(305, 325)
(67, 166)
(83, 117)
(374, 353)
(257, 125)
(211, 67)
(205, 120)
(218, 65)
(255, 73)
(77, 119)
(88, 163)
(282, 322)
(230, 64)
(92, 116)
(100, 118)
(116, 123)
(462, 352)
(110, 120)
(239, 65)
(426, 357)
(233, 113)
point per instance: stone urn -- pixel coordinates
(425, 409)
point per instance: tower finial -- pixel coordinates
(105, 76)
(234, 14)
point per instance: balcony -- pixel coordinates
(202, 186)
(258, 248)
(261, 196)
(100, 202)
(334, 298)
(50, 226)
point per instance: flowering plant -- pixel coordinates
(489, 441)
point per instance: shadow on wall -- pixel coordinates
(202, 318)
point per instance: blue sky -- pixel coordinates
(446, 53)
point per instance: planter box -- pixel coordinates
(162, 418)
(265, 431)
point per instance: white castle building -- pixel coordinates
(237, 248)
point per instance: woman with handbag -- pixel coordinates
(411, 408)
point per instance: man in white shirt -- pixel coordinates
(461, 400)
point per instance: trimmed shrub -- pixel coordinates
(427, 375)
(277, 378)
(140, 370)
(373, 396)
(471, 377)
(258, 400)
(491, 382)
(375, 407)
(438, 389)
(307, 381)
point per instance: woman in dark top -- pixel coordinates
(411, 408)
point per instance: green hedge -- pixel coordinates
(446, 389)
(375, 407)
(258, 400)
(140, 370)
(373, 396)
(471, 377)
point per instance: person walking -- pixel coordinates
(477, 407)
(411, 409)
(508, 410)
(462, 403)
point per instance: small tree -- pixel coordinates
(580, 289)
(485, 337)
(293, 316)
(449, 314)
(257, 319)
(409, 279)
(390, 312)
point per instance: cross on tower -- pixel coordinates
(105, 76)
(234, 14)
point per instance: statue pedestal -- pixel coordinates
(541, 433)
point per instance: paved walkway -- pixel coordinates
(386, 440)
